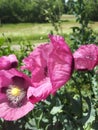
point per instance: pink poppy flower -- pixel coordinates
(51, 67)
(86, 57)
(7, 62)
(14, 103)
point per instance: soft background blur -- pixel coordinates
(24, 24)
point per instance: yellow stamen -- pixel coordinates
(15, 91)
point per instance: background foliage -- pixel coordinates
(91, 8)
(13, 11)
(75, 105)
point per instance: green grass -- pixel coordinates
(68, 18)
(35, 32)
(25, 31)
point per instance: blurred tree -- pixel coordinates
(92, 9)
(29, 10)
(70, 7)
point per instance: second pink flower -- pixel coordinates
(50, 66)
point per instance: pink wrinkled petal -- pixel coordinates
(60, 62)
(11, 114)
(7, 62)
(41, 92)
(13, 60)
(86, 57)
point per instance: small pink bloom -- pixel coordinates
(7, 62)
(51, 67)
(86, 57)
(14, 103)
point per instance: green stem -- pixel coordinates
(90, 83)
(81, 103)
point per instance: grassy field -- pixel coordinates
(36, 32)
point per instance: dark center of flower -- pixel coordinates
(46, 71)
(14, 64)
(15, 95)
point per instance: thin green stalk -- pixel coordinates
(81, 98)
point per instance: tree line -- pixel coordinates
(91, 8)
(14, 11)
